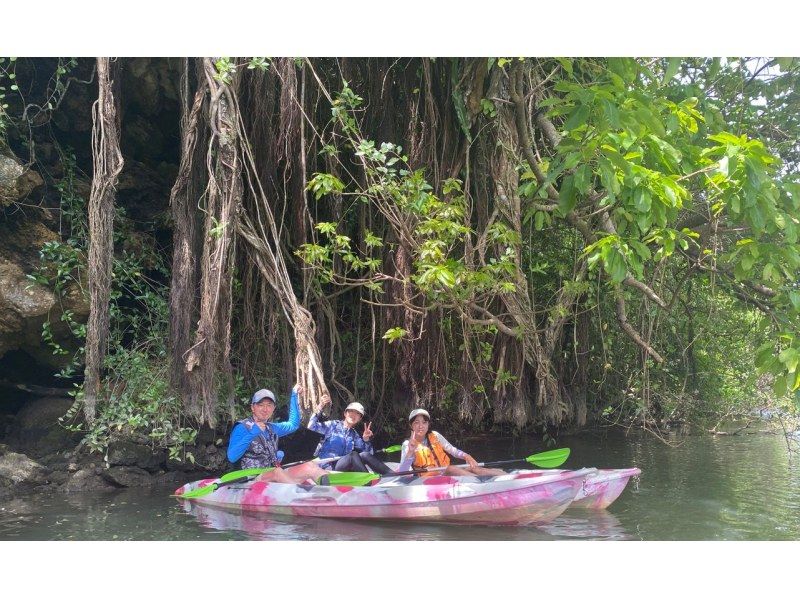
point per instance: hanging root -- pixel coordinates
(108, 163)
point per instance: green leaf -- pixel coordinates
(644, 221)
(617, 159)
(394, 334)
(642, 199)
(612, 113)
(578, 117)
(567, 195)
(566, 63)
(770, 273)
(735, 204)
(640, 248)
(764, 356)
(779, 388)
(794, 297)
(614, 264)
(672, 69)
(625, 68)
(714, 68)
(583, 178)
(646, 116)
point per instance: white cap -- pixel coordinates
(356, 407)
(417, 412)
(262, 394)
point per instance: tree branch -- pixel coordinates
(622, 318)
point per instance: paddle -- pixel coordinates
(547, 459)
(244, 475)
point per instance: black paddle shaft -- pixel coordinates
(421, 471)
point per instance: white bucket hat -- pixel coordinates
(417, 412)
(356, 407)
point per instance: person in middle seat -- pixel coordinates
(426, 449)
(341, 440)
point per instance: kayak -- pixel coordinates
(598, 491)
(515, 500)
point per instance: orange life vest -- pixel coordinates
(433, 456)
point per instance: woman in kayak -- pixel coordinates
(341, 440)
(254, 440)
(427, 449)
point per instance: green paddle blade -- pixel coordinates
(231, 477)
(549, 459)
(242, 473)
(391, 449)
(347, 478)
(198, 492)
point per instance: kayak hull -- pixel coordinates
(599, 490)
(441, 499)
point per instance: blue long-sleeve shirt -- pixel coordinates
(242, 435)
(339, 439)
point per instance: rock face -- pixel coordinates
(126, 452)
(128, 477)
(37, 431)
(25, 305)
(87, 480)
(19, 470)
(16, 181)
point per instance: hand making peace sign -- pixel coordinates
(367, 432)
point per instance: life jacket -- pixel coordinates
(263, 450)
(430, 456)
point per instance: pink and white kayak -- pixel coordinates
(514, 500)
(599, 489)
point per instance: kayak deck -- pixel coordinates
(517, 500)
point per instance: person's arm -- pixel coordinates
(406, 458)
(241, 437)
(293, 423)
(317, 426)
(449, 448)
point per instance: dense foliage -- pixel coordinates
(509, 242)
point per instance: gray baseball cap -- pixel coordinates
(262, 394)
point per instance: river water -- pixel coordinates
(707, 488)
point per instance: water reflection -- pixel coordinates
(588, 525)
(576, 523)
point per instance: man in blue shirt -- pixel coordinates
(342, 440)
(254, 440)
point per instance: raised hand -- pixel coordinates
(367, 432)
(324, 401)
